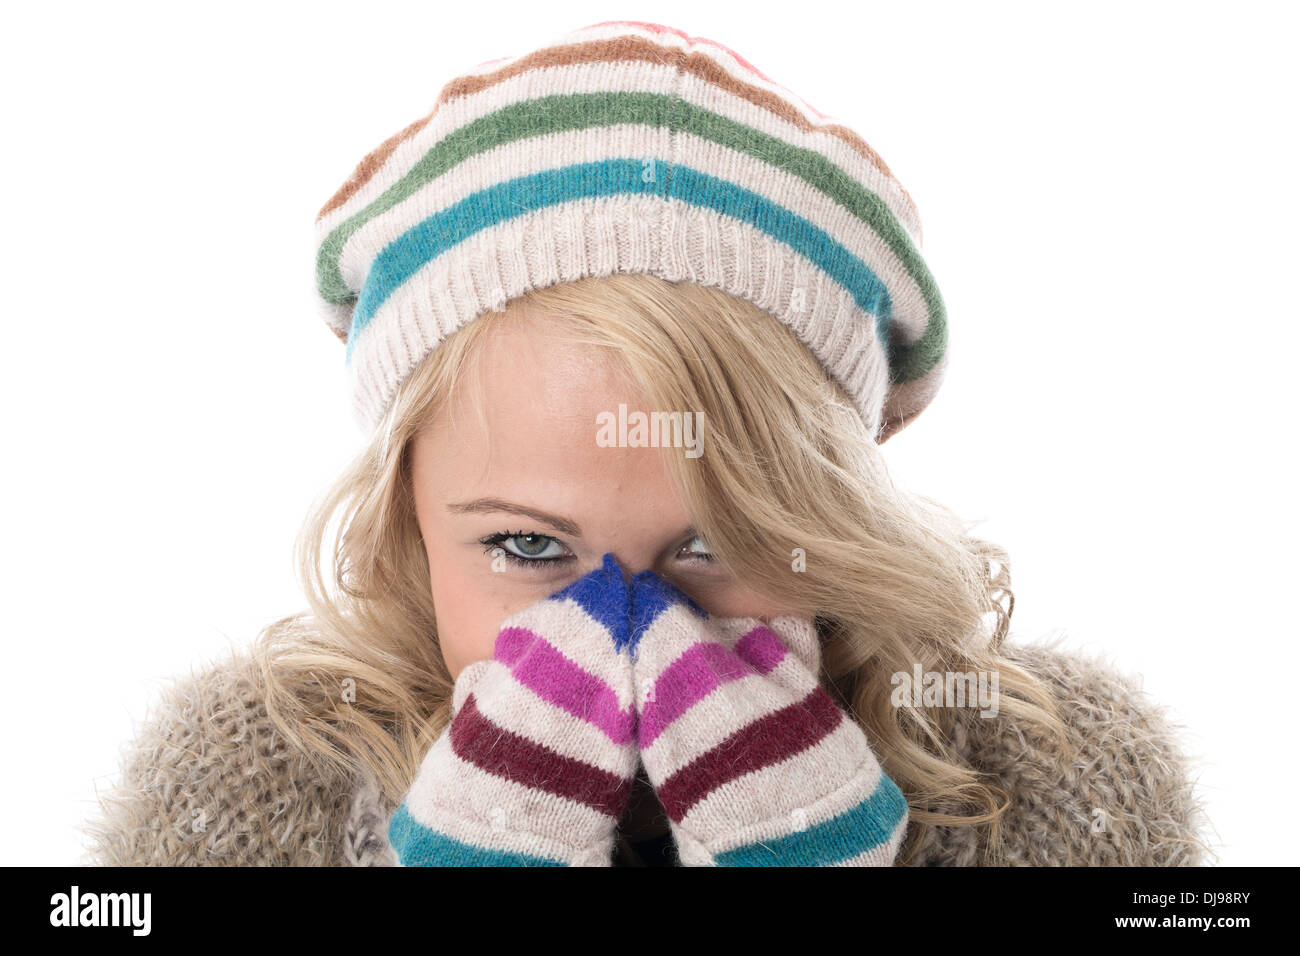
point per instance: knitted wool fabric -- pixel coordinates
(749, 756)
(209, 750)
(631, 147)
(536, 767)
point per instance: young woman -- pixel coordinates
(621, 576)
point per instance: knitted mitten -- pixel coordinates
(537, 764)
(749, 756)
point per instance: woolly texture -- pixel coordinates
(536, 766)
(1127, 757)
(753, 762)
(210, 781)
(631, 147)
(748, 755)
(209, 743)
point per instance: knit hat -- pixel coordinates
(631, 147)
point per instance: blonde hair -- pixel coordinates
(895, 579)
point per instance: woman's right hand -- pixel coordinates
(537, 764)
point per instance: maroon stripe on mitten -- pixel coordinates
(778, 736)
(476, 739)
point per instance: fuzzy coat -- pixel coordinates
(209, 781)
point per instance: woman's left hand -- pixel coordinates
(753, 762)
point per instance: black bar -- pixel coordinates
(929, 906)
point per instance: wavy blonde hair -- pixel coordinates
(895, 579)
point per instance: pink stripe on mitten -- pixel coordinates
(537, 765)
(749, 756)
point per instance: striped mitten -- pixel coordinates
(751, 759)
(537, 764)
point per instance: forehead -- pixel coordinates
(532, 376)
(540, 397)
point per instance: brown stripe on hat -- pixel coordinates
(704, 66)
(370, 165)
(906, 400)
(629, 47)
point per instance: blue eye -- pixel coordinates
(691, 554)
(533, 551)
(525, 549)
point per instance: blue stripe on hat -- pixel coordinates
(422, 243)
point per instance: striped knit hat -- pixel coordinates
(631, 147)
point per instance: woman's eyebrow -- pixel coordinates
(482, 505)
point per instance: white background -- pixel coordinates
(1109, 200)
